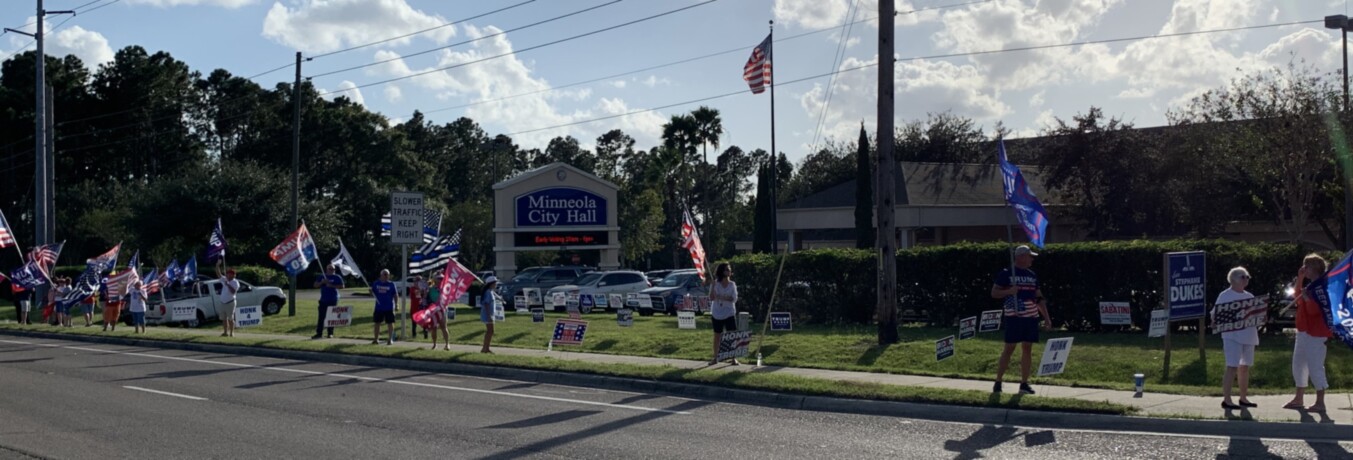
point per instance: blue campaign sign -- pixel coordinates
(1186, 283)
(560, 207)
(780, 321)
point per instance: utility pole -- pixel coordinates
(886, 310)
(295, 171)
(43, 216)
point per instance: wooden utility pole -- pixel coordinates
(885, 186)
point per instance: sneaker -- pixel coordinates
(316, 337)
(375, 342)
(1025, 389)
(996, 388)
(330, 336)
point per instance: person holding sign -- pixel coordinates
(1238, 345)
(226, 300)
(416, 290)
(385, 293)
(723, 295)
(1024, 305)
(328, 284)
(1308, 355)
(136, 304)
(486, 303)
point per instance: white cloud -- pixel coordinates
(91, 47)
(345, 89)
(821, 14)
(316, 26)
(1038, 99)
(393, 94)
(171, 3)
(618, 84)
(653, 81)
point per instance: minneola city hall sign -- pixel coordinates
(555, 208)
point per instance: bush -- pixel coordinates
(265, 276)
(944, 283)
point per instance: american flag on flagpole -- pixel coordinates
(6, 234)
(690, 239)
(757, 71)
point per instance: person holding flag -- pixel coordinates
(226, 302)
(1308, 354)
(1024, 305)
(328, 284)
(386, 296)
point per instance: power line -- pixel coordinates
(420, 53)
(555, 42)
(831, 83)
(62, 23)
(331, 53)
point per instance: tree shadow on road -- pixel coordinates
(604, 429)
(546, 419)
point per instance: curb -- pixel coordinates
(933, 412)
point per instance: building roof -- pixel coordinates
(551, 167)
(936, 184)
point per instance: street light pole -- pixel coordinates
(1340, 21)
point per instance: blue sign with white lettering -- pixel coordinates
(1186, 284)
(780, 321)
(561, 207)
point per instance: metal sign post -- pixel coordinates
(406, 227)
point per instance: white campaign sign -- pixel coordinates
(685, 320)
(248, 316)
(1160, 319)
(533, 297)
(1054, 356)
(617, 300)
(406, 218)
(338, 316)
(557, 299)
(1115, 314)
(183, 313)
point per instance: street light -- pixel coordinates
(1340, 22)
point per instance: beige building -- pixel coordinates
(555, 208)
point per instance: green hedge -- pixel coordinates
(939, 285)
(252, 274)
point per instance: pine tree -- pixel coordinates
(761, 233)
(864, 194)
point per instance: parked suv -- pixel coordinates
(665, 294)
(602, 283)
(544, 278)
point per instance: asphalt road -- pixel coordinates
(77, 400)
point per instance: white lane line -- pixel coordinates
(360, 377)
(166, 393)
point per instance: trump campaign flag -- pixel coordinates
(296, 251)
(690, 239)
(105, 261)
(216, 244)
(29, 275)
(1331, 293)
(171, 274)
(1028, 210)
(456, 280)
(188, 273)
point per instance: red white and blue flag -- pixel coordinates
(296, 251)
(105, 261)
(569, 332)
(690, 239)
(43, 258)
(1032, 217)
(216, 244)
(117, 284)
(6, 233)
(152, 281)
(757, 71)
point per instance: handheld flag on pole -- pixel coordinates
(83, 288)
(44, 258)
(6, 233)
(152, 281)
(435, 255)
(188, 274)
(690, 239)
(456, 280)
(1032, 217)
(117, 284)
(216, 244)
(135, 262)
(296, 251)
(105, 261)
(30, 275)
(1330, 291)
(172, 274)
(758, 69)
(345, 263)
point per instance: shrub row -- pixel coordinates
(939, 285)
(252, 274)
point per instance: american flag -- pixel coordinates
(436, 254)
(6, 234)
(757, 70)
(45, 257)
(690, 239)
(432, 225)
(117, 284)
(152, 282)
(1234, 316)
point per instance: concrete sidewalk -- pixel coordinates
(1339, 405)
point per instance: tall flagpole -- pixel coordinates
(774, 154)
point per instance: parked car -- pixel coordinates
(1282, 310)
(656, 276)
(594, 283)
(543, 278)
(665, 294)
(201, 296)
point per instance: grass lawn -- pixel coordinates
(1097, 360)
(753, 381)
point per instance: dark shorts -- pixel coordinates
(63, 309)
(387, 317)
(727, 324)
(1021, 330)
(138, 318)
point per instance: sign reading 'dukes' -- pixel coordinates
(560, 207)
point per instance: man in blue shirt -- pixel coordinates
(1023, 305)
(385, 293)
(329, 283)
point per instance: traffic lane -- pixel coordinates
(718, 429)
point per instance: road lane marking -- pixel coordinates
(166, 393)
(359, 377)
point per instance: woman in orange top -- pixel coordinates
(1308, 356)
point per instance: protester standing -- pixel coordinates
(1024, 305)
(723, 297)
(62, 308)
(136, 305)
(486, 303)
(111, 309)
(1238, 345)
(439, 320)
(1308, 355)
(225, 307)
(385, 293)
(416, 289)
(23, 301)
(328, 284)
(87, 306)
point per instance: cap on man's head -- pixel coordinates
(491, 279)
(1024, 250)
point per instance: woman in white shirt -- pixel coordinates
(723, 297)
(136, 304)
(1238, 344)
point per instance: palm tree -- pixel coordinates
(709, 127)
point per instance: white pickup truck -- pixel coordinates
(195, 305)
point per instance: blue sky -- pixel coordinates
(1139, 81)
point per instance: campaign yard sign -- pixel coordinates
(1115, 314)
(991, 321)
(248, 316)
(616, 301)
(1186, 284)
(183, 313)
(733, 344)
(569, 332)
(1054, 356)
(537, 315)
(1239, 315)
(585, 301)
(1160, 319)
(781, 321)
(520, 302)
(967, 328)
(685, 320)
(558, 299)
(571, 301)
(624, 317)
(600, 301)
(533, 297)
(944, 348)
(338, 316)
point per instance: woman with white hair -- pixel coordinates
(1238, 344)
